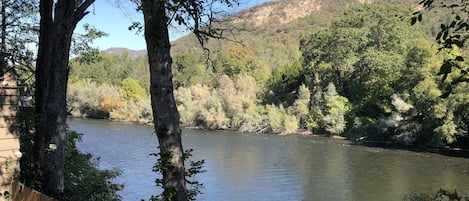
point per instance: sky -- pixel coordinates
(113, 19)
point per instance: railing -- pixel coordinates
(23, 193)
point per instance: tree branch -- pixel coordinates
(80, 12)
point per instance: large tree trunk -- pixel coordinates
(165, 113)
(56, 29)
(3, 49)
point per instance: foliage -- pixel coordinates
(201, 106)
(241, 60)
(111, 69)
(19, 36)
(195, 168)
(81, 44)
(275, 116)
(131, 90)
(301, 104)
(336, 108)
(282, 121)
(88, 99)
(83, 178)
(362, 53)
(385, 74)
(283, 82)
(453, 34)
(240, 99)
(189, 69)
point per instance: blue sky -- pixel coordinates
(106, 16)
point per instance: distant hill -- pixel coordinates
(120, 50)
(274, 29)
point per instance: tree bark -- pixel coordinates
(165, 113)
(57, 24)
(3, 63)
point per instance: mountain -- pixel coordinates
(273, 30)
(119, 50)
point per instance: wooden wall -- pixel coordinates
(9, 137)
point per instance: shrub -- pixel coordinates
(131, 90)
(275, 116)
(86, 99)
(83, 179)
(337, 106)
(290, 123)
(201, 106)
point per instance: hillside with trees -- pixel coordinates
(346, 68)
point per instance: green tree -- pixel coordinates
(18, 35)
(302, 104)
(362, 53)
(240, 59)
(336, 109)
(190, 69)
(131, 90)
(158, 15)
(452, 34)
(240, 100)
(283, 82)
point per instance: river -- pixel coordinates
(244, 166)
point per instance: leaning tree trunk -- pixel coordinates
(165, 113)
(56, 28)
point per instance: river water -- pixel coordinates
(260, 167)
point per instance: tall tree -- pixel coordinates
(18, 34)
(197, 16)
(453, 33)
(58, 21)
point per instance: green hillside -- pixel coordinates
(332, 67)
(273, 30)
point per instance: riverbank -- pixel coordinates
(273, 167)
(446, 151)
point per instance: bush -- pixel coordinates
(337, 106)
(131, 90)
(290, 124)
(275, 116)
(201, 106)
(83, 179)
(138, 111)
(87, 99)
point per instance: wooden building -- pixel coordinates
(9, 135)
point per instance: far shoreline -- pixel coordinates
(445, 151)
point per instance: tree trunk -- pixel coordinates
(165, 113)
(56, 29)
(3, 63)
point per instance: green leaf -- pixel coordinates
(438, 36)
(413, 20)
(446, 68)
(443, 27)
